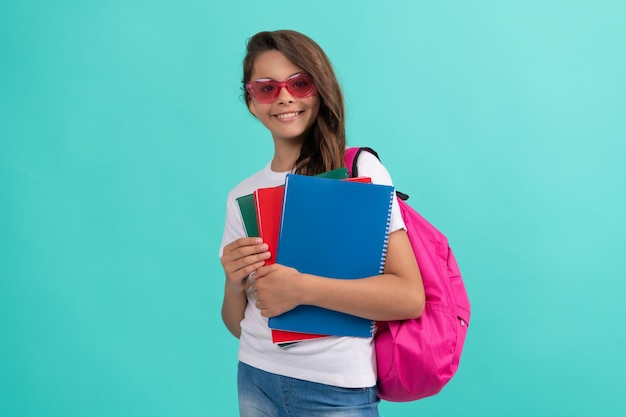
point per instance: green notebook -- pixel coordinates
(248, 214)
(335, 174)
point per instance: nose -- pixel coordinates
(284, 96)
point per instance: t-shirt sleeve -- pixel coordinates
(370, 166)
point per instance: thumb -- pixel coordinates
(263, 271)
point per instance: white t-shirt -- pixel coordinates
(347, 362)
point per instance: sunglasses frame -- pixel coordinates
(280, 85)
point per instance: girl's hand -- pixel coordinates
(240, 258)
(277, 289)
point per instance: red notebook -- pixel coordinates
(269, 207)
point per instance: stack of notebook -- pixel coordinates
(324, 227)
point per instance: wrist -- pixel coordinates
(307, 289)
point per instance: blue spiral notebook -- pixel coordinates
(333, 229)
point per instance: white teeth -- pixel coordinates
(287, 115)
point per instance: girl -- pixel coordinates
(291, 88)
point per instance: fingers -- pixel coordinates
(267, 290)
(244, 247)
(247, 271)
(262, 271)
(244, 252)
(244, 241)
(242, 257)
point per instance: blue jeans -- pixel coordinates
(263, 394)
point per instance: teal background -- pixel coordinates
(122, 129)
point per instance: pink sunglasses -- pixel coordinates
(266, 90)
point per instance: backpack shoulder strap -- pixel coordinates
(351, 156)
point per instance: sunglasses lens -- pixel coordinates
(263, 90)
(301, 86)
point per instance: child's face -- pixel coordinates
(288, 117)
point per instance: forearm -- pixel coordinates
(382, 297)
(233, 308)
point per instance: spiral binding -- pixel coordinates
(383, 258)
(373, 328)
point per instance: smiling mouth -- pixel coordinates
(288, 116)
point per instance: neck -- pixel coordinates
(285, 155)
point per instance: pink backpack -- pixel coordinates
(417, 357)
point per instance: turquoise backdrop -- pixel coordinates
(122, 128)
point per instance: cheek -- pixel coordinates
(260, 110)
(315, 113)
(252, 108)
(314, 105)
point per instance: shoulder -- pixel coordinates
(370, 166)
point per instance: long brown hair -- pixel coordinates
(325, 144)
